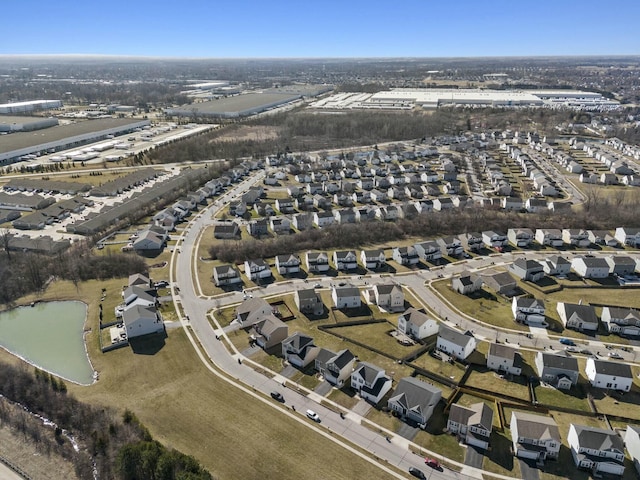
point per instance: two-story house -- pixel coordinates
(466, 283)
(557, 369)
(623, 321)
(269, 331)
(590, 267)
(528, 270)
(502, 358)
(495, 240)
(450, 245)
(226, 275)
(576, 237)
(373, 259)
(472, 241)
(609, 374)
(596, 449)
(407, 256)
(287, 264)
(428, 251)
(417, 324)
(317, 262)
(371, 382)
(387, 296)
(520, 237)
(336, 368)
(299, 350)
(414, 400)
(472, 425)
(257, 269)
(309, 302)
(456, 344)
(578, 317)
(556, 265)
(529, 311)
(345, 260)
(534, 437)
(549, 237)
(632, 443)
(346, 297)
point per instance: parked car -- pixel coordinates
(277, 396)
(417, 473)
(433, 463)
(615, 355)
(566, 341)
(313, 416)
(569, 348)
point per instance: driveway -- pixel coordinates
(324, 388)
(474, 457)
(407, 431)
(362, 407)
(289, 371)
(528, 470)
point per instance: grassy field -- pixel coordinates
(491, 381)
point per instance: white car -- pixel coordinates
(615, 355)
(313, 416)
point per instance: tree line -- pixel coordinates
(117, 446)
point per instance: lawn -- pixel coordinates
(377, 335)
(453, 372)
(499, 459)
(575, 398)
(490, 381)
(436, 439)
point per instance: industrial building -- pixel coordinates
(28, 107)
(15, 146)
(11, 124)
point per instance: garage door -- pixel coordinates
(610, 468)
(527, 454)
(476, 442)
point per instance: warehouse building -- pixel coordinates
(28, 107)
(15, 146)
(11, 124)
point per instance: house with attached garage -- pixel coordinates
(269, 331)
(373, 259)
(528, 270)
(549, 237)
(257, 269)
(500, 282)
(578, 317)
(472, 241)
(406, 256)
(137, 295)
(456, 344)
(388, 296)
(609, 374)
(346, 297)
(299, 350)
(371, 382)
(450, 246)
(557, 369)
(623, 321)
(576, 237)
(287, 264)
(442, 203)
(414, 400)
(226, 275)
(529, 311)
(556, 265)
(596, 449)
(428, 251)
(502, 358)
(323, 218)
(534, 437)
(621, 265)
(280, 226)
(417, 324)
(302, 221)
(466, 283)
(142, 320)
(251, 310)
(345, 260)
(258, 227)
(149, 240)
(632, 443)
(496, 240)
(317, 262)
(336, 368)
(471, 425)
(590, 267)
(226, 231)
(308, 301)
(628, 236)
(520, 237)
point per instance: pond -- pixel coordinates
(49, 335)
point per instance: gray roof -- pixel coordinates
(412, 393)
(598, 438)
(536, 426)
(453, 336)
(561, 361)
(348, 291)
(586, 313)
(502, 351)
(415, 316)
(618, 369)
(298, 340)
(594, 262)
(367, 371)
(307, 294)
(527, 265)
(386, 288)
(477, 414)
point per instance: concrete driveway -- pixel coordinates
(474, 457)
(323, 389)
(407, 431)
(529, 470)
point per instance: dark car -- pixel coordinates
(417, 473)
(277, 396)
(566, 341)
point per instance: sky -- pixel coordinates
(307, 28)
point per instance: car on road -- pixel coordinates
(585, 351)
(566, 341)
(277, 396)
(313, 416)
(433, 463)
(416, 472)
(317, 285)
(569, 348)
(615, 355)
(342, 284)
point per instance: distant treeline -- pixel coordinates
(118, 446)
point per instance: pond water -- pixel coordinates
(49, 335)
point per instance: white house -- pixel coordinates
(535, 437)
(503, 358)
(556, 265)
(632, 443)
(317, 262)
(345, 260)
(141, 320)
(226, 275)
(346, 297)
(336, 368)
(590, 267)
(287, 264)
(609, 374)
(529, 311)
(457, 344)
(373, 259)
(299, 350)
(577, 316)
(628, 236)
(551, 237)
(466, 283)
(596, 449)
(417, 324)
(388, 296)
(623, 321)
(370, 382)
(257, 269)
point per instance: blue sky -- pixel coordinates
(348, 28)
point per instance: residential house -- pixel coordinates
(323, 218)
(450, 246)
(345, 260)
(414, 400)
(139, 280)
(285, 205)
(578, 317)
(280, 225)
(442, 203)
(496, 240)
(500, 282)
(534, 205)
(257, 269)
(258, 227)
(226, 231)
(251, 310)
(141, 320)
(371, 382)
(529, 311)
(528, 270)
(623, 321)
(317, 262)
(269, 331)
(226, 275)
(417, 324)
(632, 443)
(345, 215)
(590, 267)
(302, 221)
(556, 265)
(535, 437)
(388, 296)
(373, 259)
(336, 368)
(576, 237)
(466, 283)
(346, 297)
(520, 237)
(596, 449)
(287, 264)
(137, 295)
(149, 241)
(472, 241)
(511, 203)
(609, 374)
(621, 265)
(628, 236)
(456, 344)
(557, 369)
(549, 237)
(308, 301)
(472, 425)
(428, 251)
(503, 358)
(406, 256)
(299, 350)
